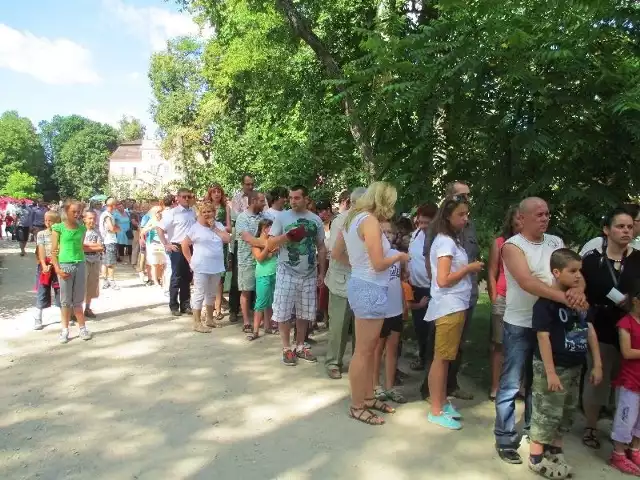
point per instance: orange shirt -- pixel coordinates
(407, 294)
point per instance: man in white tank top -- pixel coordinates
(526, 259)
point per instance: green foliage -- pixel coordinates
(78, 150)
(19, 185)
(517, 97)
(20, 149)
(82, 167)
(129, 129)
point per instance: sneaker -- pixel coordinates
(37, 325)
(634, 456)
(105, 284)
(89, 313)
(176, 312)
(289, 358)
(187, 311)
(85, 334)
(620, 462)
(305, 354)
(451, 411)
(548, 469)
(64, 336)
(113, 285)
(445, 421)
(509, 455)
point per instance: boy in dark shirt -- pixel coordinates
(563, 339)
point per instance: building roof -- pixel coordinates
(127, 152)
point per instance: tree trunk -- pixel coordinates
(302, 30)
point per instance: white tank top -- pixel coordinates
(359, 257)
(519, 308)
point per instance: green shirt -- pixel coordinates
(70, 243)
(266, 268)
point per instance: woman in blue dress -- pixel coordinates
(125, 235)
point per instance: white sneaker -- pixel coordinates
(64, 336)
(113, 285)
(85, 334)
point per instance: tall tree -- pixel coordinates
(130, 128)
(19, 185)
(82, 168)
(20, 149)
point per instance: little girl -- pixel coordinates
(47, 278)
(266, 263)
(451, 292)
(67, 257)
(389, 341)
(626, 425)
(93, 248)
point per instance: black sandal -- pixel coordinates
(247, 329)
(253, 336)
(589, 438)
(370, 419)
(378, 406)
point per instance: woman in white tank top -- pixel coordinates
(362, 246)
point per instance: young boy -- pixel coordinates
(563, 338)
(47, 278)
(93, 248)
(391, 331)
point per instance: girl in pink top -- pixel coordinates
(497, 287)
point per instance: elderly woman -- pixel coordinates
(203, 248)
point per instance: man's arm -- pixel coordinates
(253, 241)
(322, 258)
(515, 261)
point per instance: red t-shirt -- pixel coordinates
(629, 376)
(8, 220)
(501, 284)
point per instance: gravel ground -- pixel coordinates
(149, 399)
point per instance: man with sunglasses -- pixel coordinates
(469, 242)
(172, 229)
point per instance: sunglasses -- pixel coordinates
(461, 198)
(187, 197)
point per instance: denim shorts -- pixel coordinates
(367, 300)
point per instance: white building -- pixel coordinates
(140, 165)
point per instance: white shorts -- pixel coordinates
(294, 294)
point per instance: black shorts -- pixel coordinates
(393, 324)
(23, 233)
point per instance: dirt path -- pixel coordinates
(148, 399)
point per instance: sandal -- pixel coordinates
(247, 329)
(370, 418)
(549, 469)
(334, 373)
(417, 365)
(253, 336)
(378, 406)
(589, 438)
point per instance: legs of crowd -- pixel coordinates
(341, 322)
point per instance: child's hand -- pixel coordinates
(553, 382)
(46, 269)
(596, 375)
(423, 302)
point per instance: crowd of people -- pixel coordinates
(564, 326)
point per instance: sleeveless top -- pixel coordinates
(359, 257)
(519, 309)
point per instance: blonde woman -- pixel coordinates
(203, 248)
(362, 245)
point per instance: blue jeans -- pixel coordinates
(518, 345)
